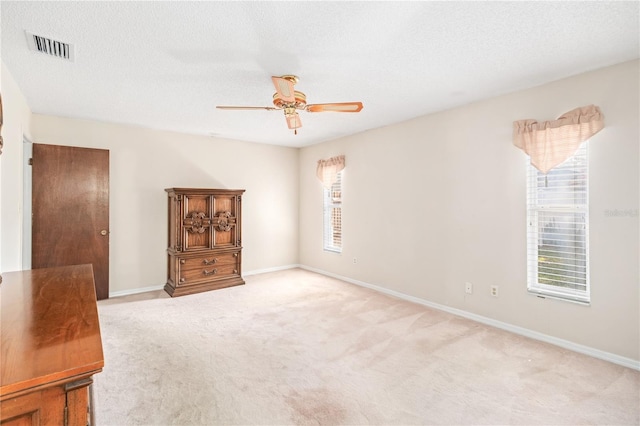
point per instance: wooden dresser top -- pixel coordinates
(49, 327)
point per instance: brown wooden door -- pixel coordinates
(70, 206)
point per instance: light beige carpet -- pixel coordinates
(295, 347)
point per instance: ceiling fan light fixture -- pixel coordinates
(293, 121)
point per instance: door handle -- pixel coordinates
(103, 232)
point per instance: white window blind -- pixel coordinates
(558, 229)
(332, 239)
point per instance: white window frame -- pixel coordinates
(332, 234)
(545, 241)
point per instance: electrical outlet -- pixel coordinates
(468, 288)
(355, 260)
(494, 290)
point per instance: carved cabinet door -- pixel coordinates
(210, 221)
(196, 215)
(226, 214)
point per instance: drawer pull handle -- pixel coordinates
(181, 280)
(209, 262)
(211, 272)
(182, 261)
(235, 271)
(235, 254)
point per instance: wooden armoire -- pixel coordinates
(205, 244)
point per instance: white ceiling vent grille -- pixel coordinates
(50, 46)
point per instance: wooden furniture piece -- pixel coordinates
(51, 346)
(205, 245)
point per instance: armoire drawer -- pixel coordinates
(212, 272)
(208, 261)
(207, 273)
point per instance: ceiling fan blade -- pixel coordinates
(284, 88)
(293, 120)
(246, 107)
(335, 107)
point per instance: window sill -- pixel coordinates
(565, 298)
(332, 250)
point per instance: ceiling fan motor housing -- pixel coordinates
(299, 103)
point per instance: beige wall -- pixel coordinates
(440, 200)
(17, 123)
(144, 162)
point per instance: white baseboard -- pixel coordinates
(274, 269)
(586, 350)
(134, 291)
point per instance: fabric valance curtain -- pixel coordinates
(327, 170)
(550, 143)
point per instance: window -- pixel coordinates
(332, 239)
(558, 230)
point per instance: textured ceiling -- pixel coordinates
(166, 65)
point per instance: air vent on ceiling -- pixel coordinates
(50, 46)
